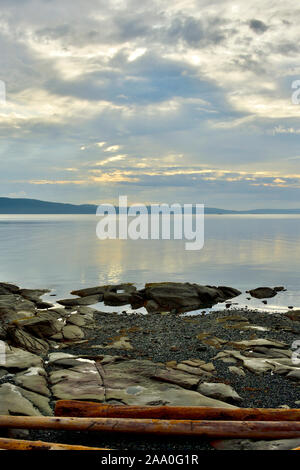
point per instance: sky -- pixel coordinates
(188, 101)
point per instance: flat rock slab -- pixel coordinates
(247, 444)
(220, 392)
(18, 401)
(131, 382)
(89, 300)
(11, 357)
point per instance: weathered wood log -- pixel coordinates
(85, 409)
(216, 429)
(18, 444)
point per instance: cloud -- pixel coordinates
(150, 96)
(258, 26)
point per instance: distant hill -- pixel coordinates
(34, 206)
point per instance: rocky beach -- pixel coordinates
(165, 355)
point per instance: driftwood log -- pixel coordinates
(85, 409)
(18, 444)
(204, 428)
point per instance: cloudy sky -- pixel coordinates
(182, 101)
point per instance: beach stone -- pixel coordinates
(89, 300)
(294, 375)
(42, 326)
(247, 444)
(53, 357)
(120, 342)
(182, 297)
(263, 292)
(260, 342)
(33, 379)
(177, 377)
(10, 287)
(17, 401)
(22, 338)
(194, 362)
(116, 299)
(33, 294)
(72, 332)
(237, 371)
(209, 367)
(190, 370)
(76, 319)
(90, 291)
(219, 391)
(15, 358)
(81, 382)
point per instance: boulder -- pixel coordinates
(20, 337)
(116, 299)
(89, 300)
(219, 391)
(183, 297)
(263, 292)
(72, 332)
(33, 294)
(10, 287)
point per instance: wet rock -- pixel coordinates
(262, 293)
(89, 300)
(10, 287)
(182, 297)
(116, 299)
(33, 294)
(43, 305)
(219, 391)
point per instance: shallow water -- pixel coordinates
(63, 253)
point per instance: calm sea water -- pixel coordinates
(62, 252)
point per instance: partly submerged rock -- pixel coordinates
(263, 292)
(182, 297)
(89, 300)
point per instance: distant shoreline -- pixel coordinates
(15, 206)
